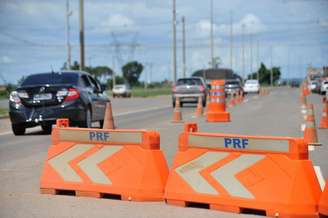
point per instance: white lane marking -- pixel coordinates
(246, 100)
(318, 172)
(142, 110)
(5, 133)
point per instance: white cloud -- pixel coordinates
(323, 23)
(117, 23)
(251, 24)
(203, 28)
(6, 60)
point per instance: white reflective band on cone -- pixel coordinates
(94, 136)
(252, 143)
(310, 124)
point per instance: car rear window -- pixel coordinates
(252, 82)
(232, 83)
(51, 78)
(189, 82)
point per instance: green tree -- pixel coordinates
(131, 72)
(118, 80)
(265, 74)
(97, 71)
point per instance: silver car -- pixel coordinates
(189, 90)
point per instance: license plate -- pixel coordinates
(43, 96)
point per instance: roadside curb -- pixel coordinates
(4, 117)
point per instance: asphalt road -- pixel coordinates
(21, 158)
(4, 103)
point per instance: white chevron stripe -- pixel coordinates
(60, 163)
(225, 175)
(90, 164)
(190, 171)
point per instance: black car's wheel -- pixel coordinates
(47, 128)
(18, 129)
(181, 104)
(88, 119)
(101, 124)
(204, 103)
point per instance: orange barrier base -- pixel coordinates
(278, 185)
(323, 204)
(218, 117)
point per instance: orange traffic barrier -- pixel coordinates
(310, 131)
(236, 173)
(232, 101)
(199, 110)
(123, 164)
(177, 115)
(323, 204)
(324, 117)
(216, 108)
(108, 119)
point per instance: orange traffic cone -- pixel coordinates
(232, 102)
(323, 203)
(108, 119)
(199, 110)
(303, 105)
(310, 132)
(177, 116)
(324, 117)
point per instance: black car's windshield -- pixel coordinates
(51, 78)
(190, 82)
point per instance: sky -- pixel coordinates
(33, 37)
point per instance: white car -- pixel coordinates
(123, 90)
(252, 86)
(324, 87)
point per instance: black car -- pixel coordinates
(42, 98)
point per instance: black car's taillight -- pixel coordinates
(72, 94)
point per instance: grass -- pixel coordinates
(150, 92)
(140, 92)
(3, 94)
(3, 112)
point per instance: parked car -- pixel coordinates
(314, 86)
(324, 87)
(42, 98)
(252, 86)
(295, 83)
(122, 90)
(232, 86)
(189, 90)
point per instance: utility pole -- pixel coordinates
(258, 59)
(243, 51)
(184, 65)
(271, 72)
(231, 41)
(251, 52)
(174, 42)
(212, 36)
(68, 45)
(81, 35)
